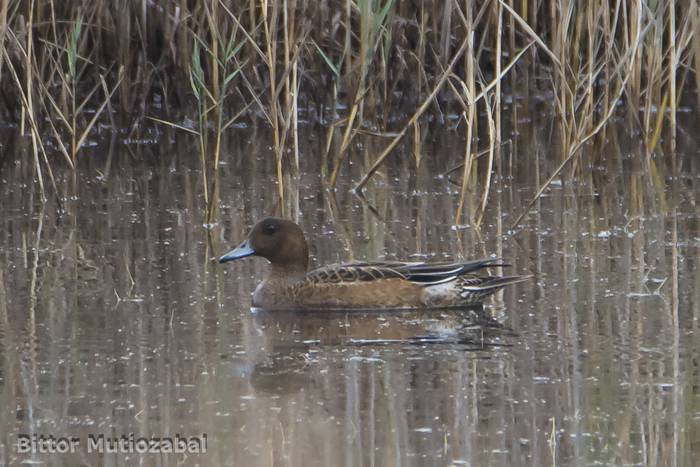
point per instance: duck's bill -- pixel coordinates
(241, 251)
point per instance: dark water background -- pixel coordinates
(114, 317)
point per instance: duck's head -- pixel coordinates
(279, 241)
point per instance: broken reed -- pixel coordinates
(222, 60)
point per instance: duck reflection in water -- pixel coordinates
(292, 338)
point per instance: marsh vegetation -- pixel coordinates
(141, 139)
(394, 70)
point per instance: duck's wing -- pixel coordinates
(439, 273)
(418, 272)
(353, 272)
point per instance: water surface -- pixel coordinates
(115, 318)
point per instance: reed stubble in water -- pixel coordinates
(372, 65)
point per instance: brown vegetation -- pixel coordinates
(353, 64)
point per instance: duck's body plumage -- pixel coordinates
(361, 285)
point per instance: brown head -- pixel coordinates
(279, 241)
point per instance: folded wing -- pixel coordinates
(417, 272)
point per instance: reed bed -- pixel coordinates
(354, 66)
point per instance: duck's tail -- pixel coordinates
(475, 289)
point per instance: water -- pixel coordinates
(115, 318)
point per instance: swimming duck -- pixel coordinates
(362, 285)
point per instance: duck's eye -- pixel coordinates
(270, 228)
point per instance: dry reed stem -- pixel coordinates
(499, 53)
(37, 143)
(99, 111)
(672, 68)
(469, 91)
(371, 23)
(523, 24)
(489, 167)
(414, 117)
(59, 54)
(173, 125)
(445, 74)
(573, 150)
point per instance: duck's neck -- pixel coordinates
(282, 273)
(276, 289)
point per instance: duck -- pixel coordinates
(376, 285)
